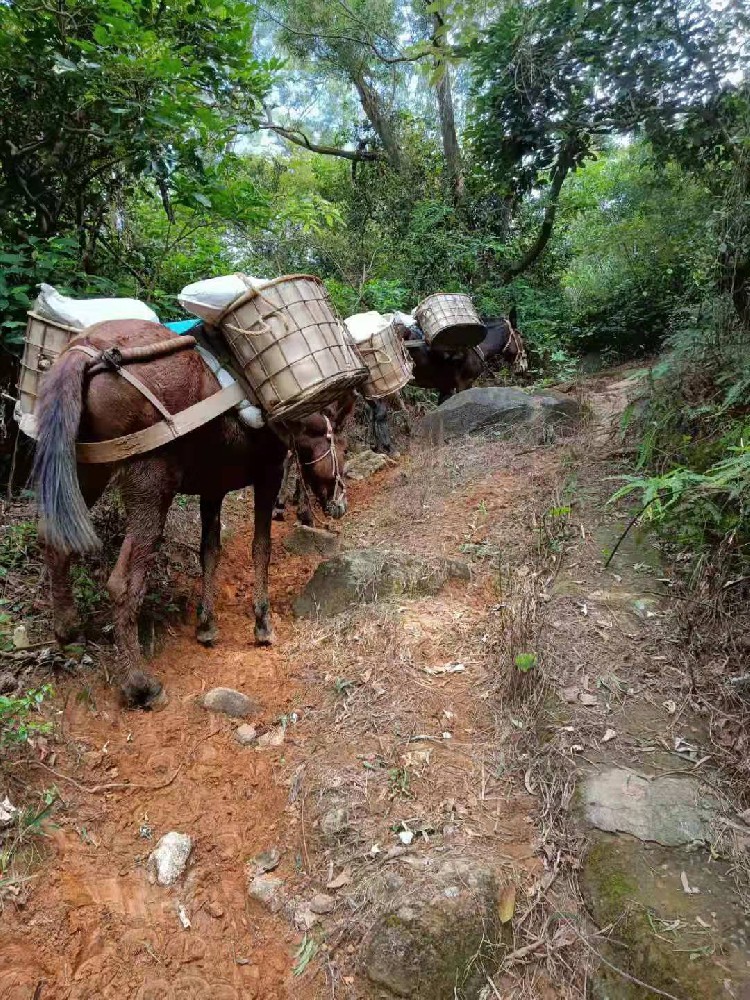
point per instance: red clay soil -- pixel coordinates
(92, 925)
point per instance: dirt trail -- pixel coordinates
(400, 746)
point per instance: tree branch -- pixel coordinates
(559, 173)
(299, 138)
(365, 42)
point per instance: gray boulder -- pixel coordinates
(307, 541)
(438, 938)
(556, 408)
(500, 409)
(364, 576)
(476, 409)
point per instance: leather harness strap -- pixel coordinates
(117, 449)
(169, 428)
(134, 381)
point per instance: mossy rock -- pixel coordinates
(438, 943)
(658, 931)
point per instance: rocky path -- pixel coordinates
(476, 769)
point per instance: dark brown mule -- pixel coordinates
(454, 371)
(221, 456)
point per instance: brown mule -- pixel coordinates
(221, 456)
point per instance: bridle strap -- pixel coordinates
(339, 487)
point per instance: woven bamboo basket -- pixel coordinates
(448, 319)
(387, 361)
(292, 347)
(44, 341)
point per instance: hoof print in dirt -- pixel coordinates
(440, 939)
(501, 411)
(268, 890)
(227, 701)
(368, 575)
(168, 860)
(365, 464)
(305, 541)
(245, 735)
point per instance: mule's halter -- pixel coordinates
(339, 487)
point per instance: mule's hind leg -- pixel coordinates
(207, 632)
(266, 491)
(66, 620)
(148, 488)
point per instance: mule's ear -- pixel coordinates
(513, 317)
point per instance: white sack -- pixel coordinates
(362, 326)
(249, 414)
(209, 298)
(80, 313)
(407, 320)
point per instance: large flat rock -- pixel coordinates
(500, 409)
(684, 944)
(363, 576)
(669, 810)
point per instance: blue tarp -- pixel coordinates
(182, 325)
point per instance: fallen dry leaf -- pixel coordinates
(341, 880)
(507, 904)
(588, 699)
(609, 735)
(686, 885)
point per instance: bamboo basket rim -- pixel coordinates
(253, 293)
(53, 322)
(313, 397)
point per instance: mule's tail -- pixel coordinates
(64, 517)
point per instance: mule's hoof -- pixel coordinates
(279, 514)
(263, 636)
(305, 517)
(207, 634)
(142, 691)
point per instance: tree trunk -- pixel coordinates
(377, 115)
(451, 148)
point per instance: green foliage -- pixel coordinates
(19, 717)
(17, 544)
(524, 662)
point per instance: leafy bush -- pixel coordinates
(19, 717)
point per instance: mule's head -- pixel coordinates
(320, 445)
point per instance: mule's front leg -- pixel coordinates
(207, 632)
(266, 491)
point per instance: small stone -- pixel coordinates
(273, 738)
(267, 889)
(215, 910)
(169, 858)
(334, 823)
(364, 465)
(7, 812)
(245, 734)
(322, 903)
(229, 702)
(267, 861)
(304, 918)
(21, 637)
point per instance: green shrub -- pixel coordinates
(19, 717)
